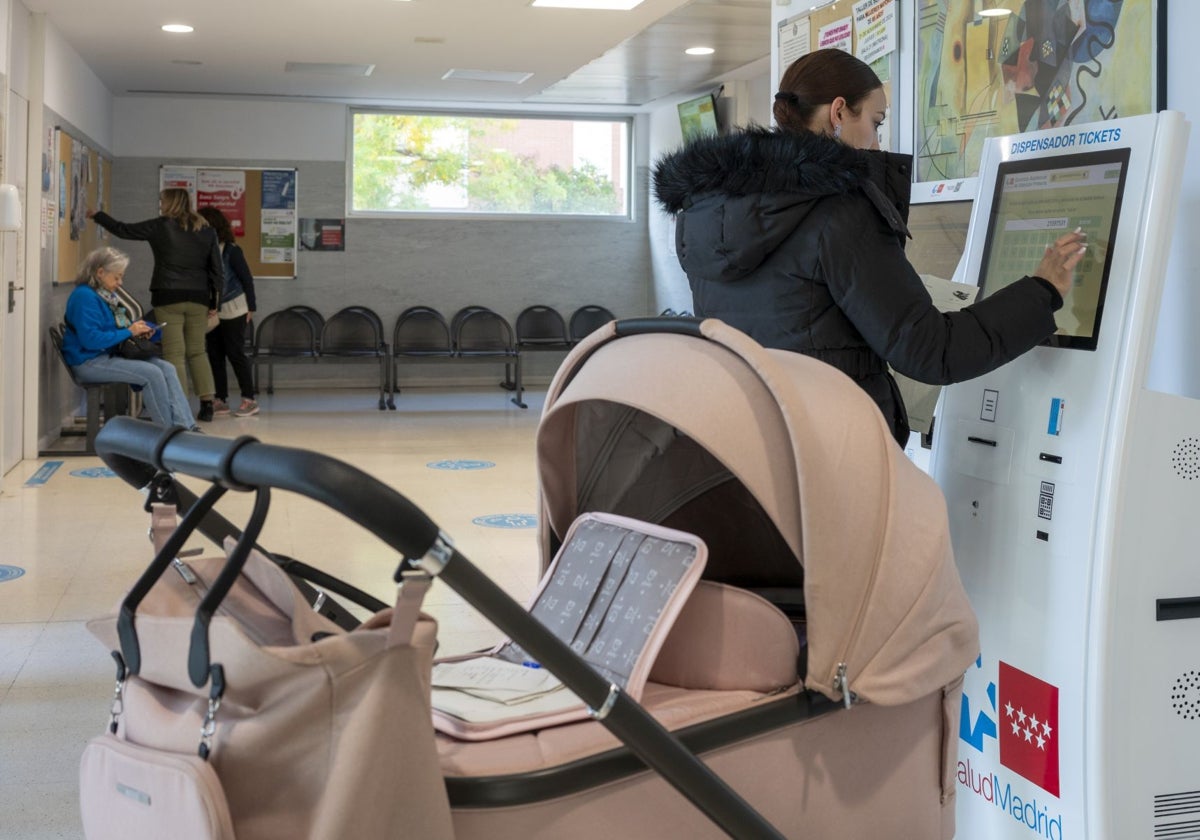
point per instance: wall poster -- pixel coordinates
(997, 67)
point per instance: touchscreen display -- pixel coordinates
(1035, 202)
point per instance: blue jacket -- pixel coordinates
(91, 328)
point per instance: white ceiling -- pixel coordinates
(575, 57)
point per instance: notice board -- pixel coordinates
(864, 28)
(260, 204)
(82, 180)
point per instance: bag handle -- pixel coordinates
(126, 631)
(199, 654)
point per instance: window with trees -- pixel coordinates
(456, 163)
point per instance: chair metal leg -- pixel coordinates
(518, 385)
(94, 395)
(391, 383)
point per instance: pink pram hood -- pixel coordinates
(883, 598)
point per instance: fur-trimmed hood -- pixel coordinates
(741, 196)
(757, 160)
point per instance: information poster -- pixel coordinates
(838, 35)
(874, 28)
(224, 189)
(795, 36)
(278, 216)
(178, 177)
(322, 234)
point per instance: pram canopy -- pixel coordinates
(787, 470)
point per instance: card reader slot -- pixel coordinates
(1046, 456)
(982, 440)
(1174, 609)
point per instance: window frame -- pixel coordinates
(628, 119)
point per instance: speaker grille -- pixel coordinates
(1186, 458)
(1185, 695)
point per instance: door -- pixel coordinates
(12, 292)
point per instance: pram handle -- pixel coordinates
(134, 450)
(676, 325)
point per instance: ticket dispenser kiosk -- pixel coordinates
(1074, 500)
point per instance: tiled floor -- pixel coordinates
(81, 541)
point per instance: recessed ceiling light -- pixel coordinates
(610, 5)
(995, 12)
(176, 27)
(699, 51)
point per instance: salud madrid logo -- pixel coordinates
(1022, 716)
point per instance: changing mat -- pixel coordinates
(612, 594)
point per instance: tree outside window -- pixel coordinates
(433, 163)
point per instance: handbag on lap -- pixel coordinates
(239, 709)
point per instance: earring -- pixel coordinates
(837, 132)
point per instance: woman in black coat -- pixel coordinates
(184, 287)
(796, 237)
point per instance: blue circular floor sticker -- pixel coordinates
(94, 472)
(460, 464)
(506, 520)
(10, 573)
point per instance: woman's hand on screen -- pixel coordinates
(1061, 257)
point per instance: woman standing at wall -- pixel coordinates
(185, 286)
(227, 340)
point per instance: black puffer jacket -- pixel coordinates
(798, 241)
(187, 264)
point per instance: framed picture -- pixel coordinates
(989, 68)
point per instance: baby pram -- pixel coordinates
(789, 474)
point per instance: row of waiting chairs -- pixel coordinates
(421, 333)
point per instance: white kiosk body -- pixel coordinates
(1074, 501)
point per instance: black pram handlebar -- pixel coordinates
(135, 450)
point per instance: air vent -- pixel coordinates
(1186, 458)
(329, 69)
(1185, 696)
(1177, 815)
(487, 76)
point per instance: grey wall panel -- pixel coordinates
(390, 264)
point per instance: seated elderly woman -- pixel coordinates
(96, 322)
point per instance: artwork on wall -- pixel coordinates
(998, 67)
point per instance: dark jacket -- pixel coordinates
(237, 275)
(798, 241)
(187, 264)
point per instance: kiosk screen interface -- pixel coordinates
(1037, 201)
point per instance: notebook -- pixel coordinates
(612, 593)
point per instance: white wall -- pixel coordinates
(227, 129)
(19, 41)
(75, 93)
(1175, 365)
(751, 103)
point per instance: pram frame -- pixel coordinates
(137, 452)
